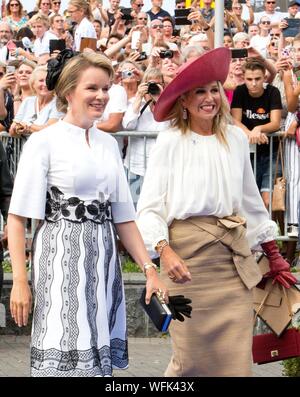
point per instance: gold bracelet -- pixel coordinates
(149, 265)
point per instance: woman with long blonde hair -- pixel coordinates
(199, 193)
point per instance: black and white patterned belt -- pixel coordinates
(74, 209)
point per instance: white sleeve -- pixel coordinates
(118, 98)
(54, 113)
(30, 185)
(88, 31)
(121, 200)
(130, 119)
(152, 205)
(260, 228)
(21, 111)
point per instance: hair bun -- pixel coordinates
(55, 67)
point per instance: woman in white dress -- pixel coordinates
(71, 177)
(36, 111)
(198, 188)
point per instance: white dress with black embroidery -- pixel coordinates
(79, 191)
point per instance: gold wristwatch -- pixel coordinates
(160, 246)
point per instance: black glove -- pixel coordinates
(179, 305)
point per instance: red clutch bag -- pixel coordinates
(267, 348)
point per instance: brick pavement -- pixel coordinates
(148, 357)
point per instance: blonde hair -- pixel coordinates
(220, 121)
(152, 73)
(39, 18)
(72, 71)
(85, 6)
(29, 63)
(34, 74)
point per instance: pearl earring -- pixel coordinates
(184, 114)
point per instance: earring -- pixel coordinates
(184, 114)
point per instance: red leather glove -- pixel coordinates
(279, 267)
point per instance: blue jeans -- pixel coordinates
(263, 171)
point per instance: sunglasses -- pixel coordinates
(266, 22)
(157, 26)
(14, 5)
(180, 7)
(140, 5)
(271, 2)
(143, 19)
(275, 34)
(56, 2)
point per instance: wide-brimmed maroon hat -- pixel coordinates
(211, 66)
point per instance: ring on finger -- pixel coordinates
(172, 277)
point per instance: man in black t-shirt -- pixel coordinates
(257, 110)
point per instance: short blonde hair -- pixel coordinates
(34, 74)
(39, 18)
(72, 71)
(220, 121)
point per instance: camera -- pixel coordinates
(166, 54)
(153, 89)
(142, 57)
(126, 74)
(126, 14)
(181, 16)
(228, 5)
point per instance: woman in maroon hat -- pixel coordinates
(199, 191)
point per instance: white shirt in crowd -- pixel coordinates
(276, 17)
(144, 123)
(260, 43)
(3, 54)
(41, 45)
(84, 29)
(117, 104)
(195, 175)
(29, 113)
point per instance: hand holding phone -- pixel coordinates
(135, 38)
(10, 69)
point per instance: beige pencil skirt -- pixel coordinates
(217, 340)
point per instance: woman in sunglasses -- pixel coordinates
(14, 15)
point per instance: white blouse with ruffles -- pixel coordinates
(195, 175)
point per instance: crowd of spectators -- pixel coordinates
(146, 48)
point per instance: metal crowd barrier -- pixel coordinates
(16, 145)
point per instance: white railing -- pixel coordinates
(17, 144)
